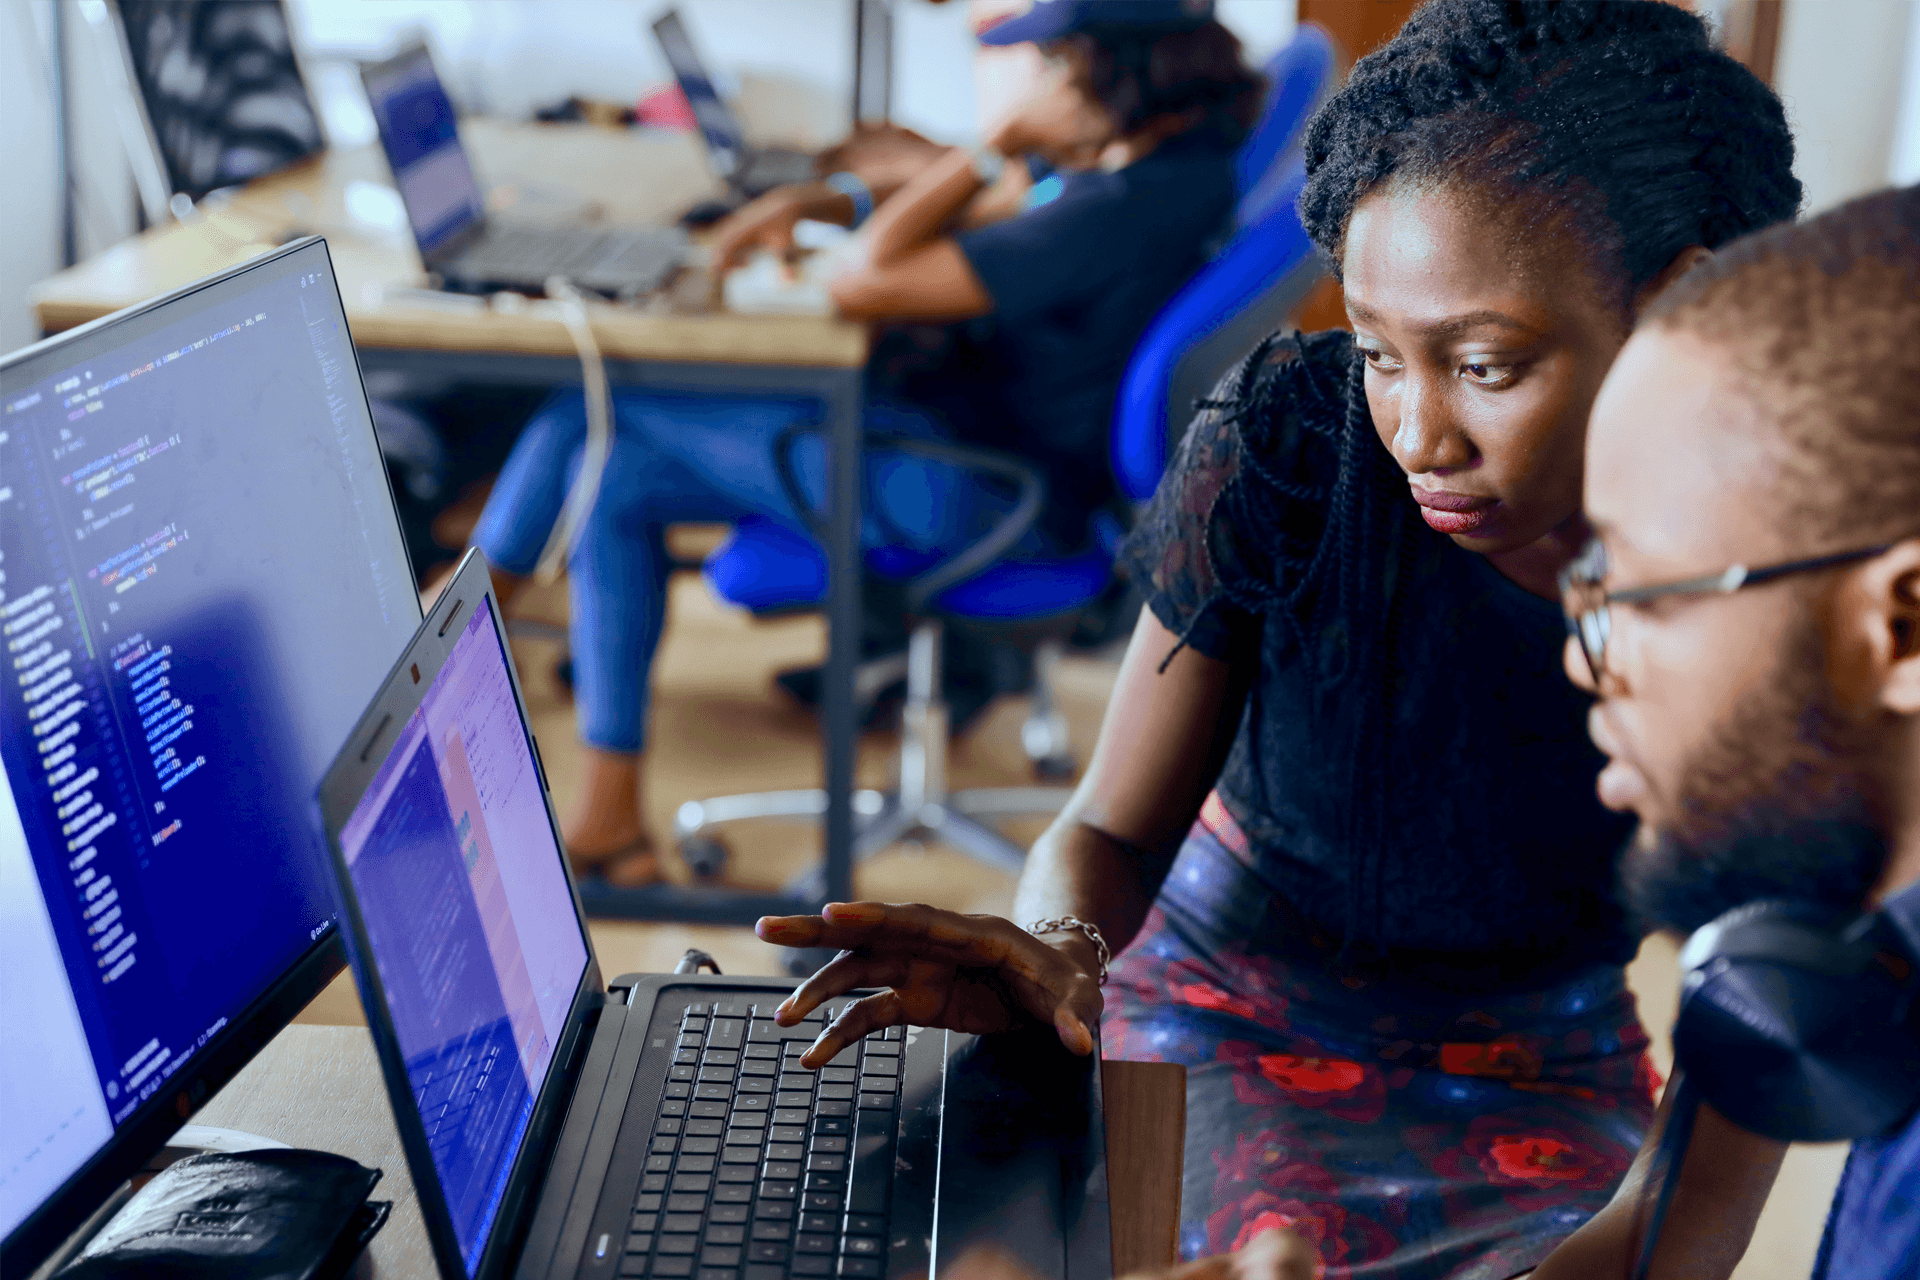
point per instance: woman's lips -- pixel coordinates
(1455, 513)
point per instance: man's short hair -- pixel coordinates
(1822, 320)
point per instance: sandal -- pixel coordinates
(630, 866)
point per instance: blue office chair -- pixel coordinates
(1035, 600)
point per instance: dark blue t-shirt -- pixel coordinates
(1873, 1231)
(1074, 284)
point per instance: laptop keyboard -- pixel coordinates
(587, 256)
(758, 1168)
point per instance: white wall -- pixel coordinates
(1840, 71)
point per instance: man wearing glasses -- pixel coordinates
(1749, 619)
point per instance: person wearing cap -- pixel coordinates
(1006, 323)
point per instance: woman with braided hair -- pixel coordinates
(1340, 816)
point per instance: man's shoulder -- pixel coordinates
(1873, 1232)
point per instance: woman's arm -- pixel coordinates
(914, 269)
(1165, 736)
(1724, 1181)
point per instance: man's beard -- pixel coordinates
(1776, 804)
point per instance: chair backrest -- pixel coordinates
(1298, 77)
(1245, 292)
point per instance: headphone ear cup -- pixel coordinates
(1792, 1031)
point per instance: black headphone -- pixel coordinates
(1798, 1023)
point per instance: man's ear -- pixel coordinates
(1684, 261)
(1895, 582)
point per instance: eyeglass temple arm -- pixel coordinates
(1737, 576)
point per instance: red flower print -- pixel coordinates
(1204, 997)
(1312, 1075)
(1507, 1058)
(1526, 1158)
(1536, 1163)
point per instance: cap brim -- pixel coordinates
(1042, 22)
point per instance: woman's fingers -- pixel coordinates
(857, 1021)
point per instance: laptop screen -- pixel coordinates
(469, 921)
(422, 142)
(724, 137)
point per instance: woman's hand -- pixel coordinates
(941, 969)
(884, 156)
(765, 223)
(1062, 124)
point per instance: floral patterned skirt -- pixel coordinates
(1412, 1131)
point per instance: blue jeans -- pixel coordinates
(691, 458)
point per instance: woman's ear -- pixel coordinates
(1901, 690)
(1684, 261)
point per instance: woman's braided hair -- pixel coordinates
(1618, 114)
(1615, 119)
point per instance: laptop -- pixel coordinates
(468, 250)
(750, 171)
(559, 1126)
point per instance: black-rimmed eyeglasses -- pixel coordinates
(1587, 601)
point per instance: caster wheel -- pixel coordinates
(563, 673)
(705, 856)
(1054, 768)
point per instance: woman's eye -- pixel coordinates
(1486, 372)
(1379, 359)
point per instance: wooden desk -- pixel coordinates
(678, 342)
(631, 178)
(320, 1087)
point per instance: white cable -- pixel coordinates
(599, 445)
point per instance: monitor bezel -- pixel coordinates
(134, 1142)
(353, 771)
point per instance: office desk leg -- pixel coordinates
(843, 629)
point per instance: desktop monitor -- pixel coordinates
(422, 141)
(220, 88)
(202, 582)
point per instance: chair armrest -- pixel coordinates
(1002, 538)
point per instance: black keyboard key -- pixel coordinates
(727, 1193)
(697, 1146)
(826, 1182)
(782, 1170)
(737, 1173)
(696, 1164)
(878, 1084)
(660, 1164)
(817, 1264)
(756, 1084)
(663, 1144)
(795, 1101)
(654, 1182)
(681, 1072)
(767, 1251)
(819, 1222)
(708, 1110)
(678, 1089)
(835, 1092)
(721, 1057)
(711, 1092)
(811, 1242)
(692, 1182)
(687, 1204)
(703, 1128)
(776, 1229)
(846, 1057)
(676, 1244)
(764, 1032)
(766, 1273)
(748, 1120)
(688, 1056)
(727, 1033)
(716, 1075)
(741, 1155)
(771, 1190)
(790, 1115)
(632, 1267)
(876, 1102)
(692, 1023)
(894, 1033)
(745, 1135)
(647, 1204)
(880, 1067)
(796, 1080)
(723, 1233)
(828, 1124)
(762, 1051)
(836, 1075)
(825, 1163)
(681, 1223)
(877, 1049)
(836, 1110)
(837, 1146)
(822, 1201)
(863, 1267)
(696, 1008)
(673, 1107)
(718, 1273)
(670, 1124)
(872, 1163)
(672, 1266)
(732, 1007)
(753, 1102)
(782, 1209)
(866, 1224)
(727, 1213)
(758, 1067)
(639, 1241)
(864, 1246)
(784, 1151)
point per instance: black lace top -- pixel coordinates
(1413, 769)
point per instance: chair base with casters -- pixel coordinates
(920, 806)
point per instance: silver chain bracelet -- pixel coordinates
(1090, 932)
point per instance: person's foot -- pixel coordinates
(626, 866)
(605, 833)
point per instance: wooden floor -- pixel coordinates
(720, 726)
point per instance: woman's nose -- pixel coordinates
(1427, 439)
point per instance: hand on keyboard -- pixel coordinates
(940, 969)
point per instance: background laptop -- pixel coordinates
(749, 170)
(656, 1127)
(458, 241)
